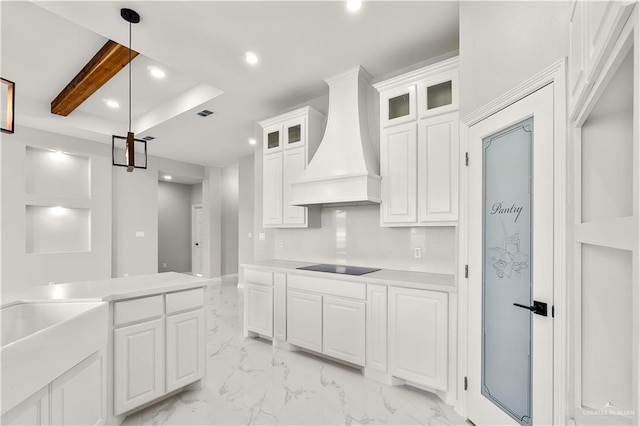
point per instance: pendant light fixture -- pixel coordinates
(132, 17)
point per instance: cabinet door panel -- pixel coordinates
(185, 349)
(398, 169)
(304, 320)
(280, 307)
(260, 309)
(32, 412)
(343, 329)
(78, 397)
(418, 336)
(272, 193)
(438, 168)
(295, 133)
(139, 364)
(603, 22)
(294, 165)
(272, 139)
(377, 327)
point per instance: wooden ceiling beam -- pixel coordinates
(110, 59)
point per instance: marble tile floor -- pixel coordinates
(250, 382)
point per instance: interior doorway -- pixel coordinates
(177, 197)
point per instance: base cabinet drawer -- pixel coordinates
(304, 320)
(418, 336)
(139, 364)
(344, 329)
(259, 306)
(185, 349)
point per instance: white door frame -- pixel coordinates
(193, 237)
(556, 73)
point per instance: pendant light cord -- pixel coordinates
(129, 76)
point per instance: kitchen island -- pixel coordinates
(146, 339)
(396, 326)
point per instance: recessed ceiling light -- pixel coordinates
(156, 73)
(251, 58)
(354, 5)
(167, 177)
(252, 141)
(111, 103)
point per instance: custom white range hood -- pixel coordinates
(345, 168)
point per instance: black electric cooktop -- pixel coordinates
(339, 269)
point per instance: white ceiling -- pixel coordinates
(201, 46)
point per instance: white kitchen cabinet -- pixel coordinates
(419, 150)
(139, 364)
(344, 329)
(593, 28)
(377, 327)
(438, 169)
(294, 165)
(304, 320)
(603, 23)
(185, 348)
(289, 142)
(259, 309)
(418, 336)
(280, 307)
(272, 189)
(78, 396)
(34, 411)
(398, 166)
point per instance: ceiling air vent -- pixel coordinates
(148, 138)
(205, 113)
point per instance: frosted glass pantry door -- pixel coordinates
(510, 336)
(506, 330)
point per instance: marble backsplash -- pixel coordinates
(352, 235)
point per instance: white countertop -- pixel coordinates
(411, 279)
(108, 290)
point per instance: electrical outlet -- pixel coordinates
(126, 275)
(417, 252)
(262, 237)
(164, 264)
(281, 246)
(139, 234)
(250, 235)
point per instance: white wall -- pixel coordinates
(229, 220)
(211, 197)
(20, 269)
(135, 209)
(352, 235)
(245, 211)
(504, 43)
(135, 212)
(122, 204)
(174, 227)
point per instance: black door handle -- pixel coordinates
(197, 244)
(538, 308)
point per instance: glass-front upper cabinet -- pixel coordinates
(438, 94)
(294, 133)
(272, 139)
(398, 106)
